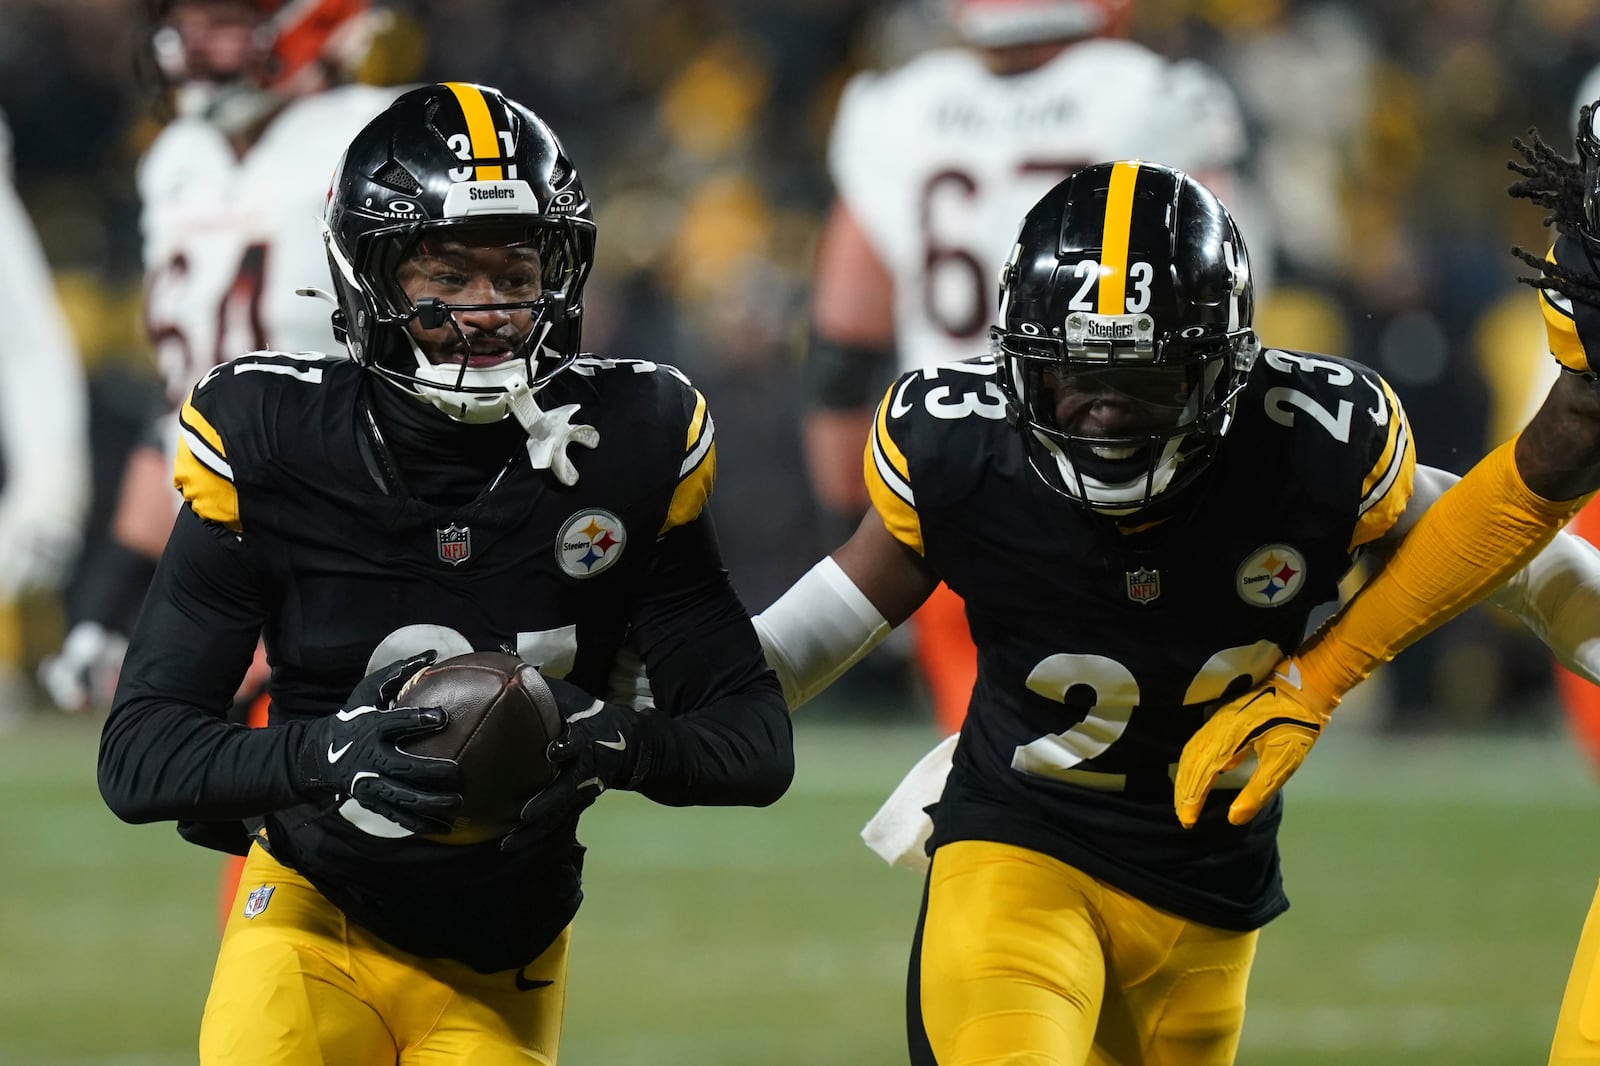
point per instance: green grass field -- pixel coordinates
(1439, 886)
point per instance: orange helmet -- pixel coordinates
(1003, 23)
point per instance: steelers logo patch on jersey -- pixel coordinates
(589, 542)
(1271, 576)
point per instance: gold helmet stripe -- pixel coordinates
(1114, 241)
(480, 127)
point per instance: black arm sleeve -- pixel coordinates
(845, 377)
(723, 735)
(114, 581)
(166, 751)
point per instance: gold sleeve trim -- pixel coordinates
(698, 472)
(201, 471)
(1386, 489)
(690, 497)
(1561, 330)
(210, 494)
(888, 478)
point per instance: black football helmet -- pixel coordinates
(457, 162)
(1128, 291)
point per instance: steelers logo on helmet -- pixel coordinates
(1271, 576)
(590, 542)
(1125, 333)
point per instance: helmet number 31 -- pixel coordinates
(461, 145)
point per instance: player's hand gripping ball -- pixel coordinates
(502, 718)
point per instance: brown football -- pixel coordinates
(502, 718)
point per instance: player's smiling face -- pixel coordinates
(482, 286)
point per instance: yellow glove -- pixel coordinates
(1279, 720)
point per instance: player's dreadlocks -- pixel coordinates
(1557, 183)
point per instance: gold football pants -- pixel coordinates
(299, 984)
(1022, 959)
(1577, 1039)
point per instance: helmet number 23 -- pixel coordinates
(1088, 271)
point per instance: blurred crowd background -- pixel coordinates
(1379, 137)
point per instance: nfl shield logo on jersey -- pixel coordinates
(1144, 584)
(455, 544)
(257, 900)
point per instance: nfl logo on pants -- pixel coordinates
(257, 900)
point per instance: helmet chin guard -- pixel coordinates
(475, 395)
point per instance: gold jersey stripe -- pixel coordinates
(690, 497)
(191, 417)
(1560, 329)
(1396, 433)
(210, 494)
(1114, 241)
(884, 442)
(697, 423)
(1390, 490)
(480, 127)
(889, 481)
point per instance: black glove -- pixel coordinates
(354, 753)
(604, 745)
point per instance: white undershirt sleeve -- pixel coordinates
(817, 630)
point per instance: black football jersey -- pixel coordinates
(1101, 650)
(272, 445)
(342, 571)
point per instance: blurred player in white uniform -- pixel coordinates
(934, 165)
(43, 431)
(232, 192)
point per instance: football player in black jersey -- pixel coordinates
(1500, 514)
(1142, 507)
(467, 481)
